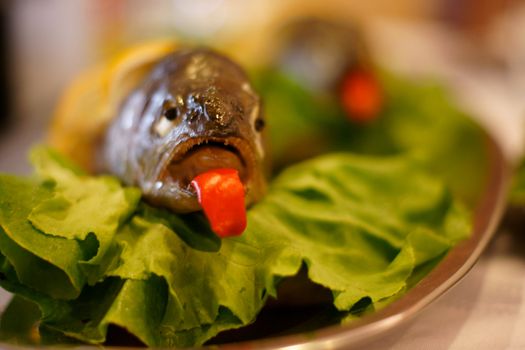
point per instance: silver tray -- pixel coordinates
(488, 212)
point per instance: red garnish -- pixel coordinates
(221, 195)
(361, 96)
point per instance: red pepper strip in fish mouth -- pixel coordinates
(221, 195)
(361, 96)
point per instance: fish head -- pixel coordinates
(196, 112)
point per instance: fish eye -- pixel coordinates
(171, 113)
(259, 124)
(165, 124)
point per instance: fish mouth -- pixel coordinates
(198, 155)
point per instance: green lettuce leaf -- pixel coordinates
(71, 211)
(30, 251)
(363, 226)
(18, 322)
(517, 190)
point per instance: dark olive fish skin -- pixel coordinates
(196, 111)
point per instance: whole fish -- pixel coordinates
(196, 111)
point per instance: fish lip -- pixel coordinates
(165, 190)
(239, 146)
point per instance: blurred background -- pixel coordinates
(476, 46)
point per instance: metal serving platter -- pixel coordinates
(489, 209)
